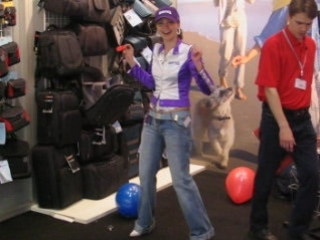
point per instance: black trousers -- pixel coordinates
(269, 157)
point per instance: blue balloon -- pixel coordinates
(127, 200)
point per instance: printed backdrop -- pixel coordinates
(201, 16)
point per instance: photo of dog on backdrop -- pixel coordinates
(212, 116)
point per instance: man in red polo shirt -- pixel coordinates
(284, 87)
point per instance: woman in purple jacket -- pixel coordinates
(167, 124)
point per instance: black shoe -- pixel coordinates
(263, 234)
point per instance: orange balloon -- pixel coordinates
(239, 184)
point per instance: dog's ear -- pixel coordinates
(226, 95)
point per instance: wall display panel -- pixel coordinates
(17, 195)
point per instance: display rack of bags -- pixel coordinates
(100, 108)
(14, 152)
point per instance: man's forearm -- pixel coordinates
(276, 107)
(254, 51)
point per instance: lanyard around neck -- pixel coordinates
(301, 64)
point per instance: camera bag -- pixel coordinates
(57, 186)
(16, 152)
(59, 118)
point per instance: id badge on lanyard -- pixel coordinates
(299, 82)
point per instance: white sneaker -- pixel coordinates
(135, 233)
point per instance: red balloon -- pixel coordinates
(239, 184)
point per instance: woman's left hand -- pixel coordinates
(196, 55)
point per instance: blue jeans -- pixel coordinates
(269, 157)
(173, 137)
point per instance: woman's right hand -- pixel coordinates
(128, 54)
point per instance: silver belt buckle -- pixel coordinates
(158, 115)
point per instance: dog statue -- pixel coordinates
(212, 116)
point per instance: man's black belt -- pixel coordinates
(292, 112)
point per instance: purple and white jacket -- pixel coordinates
(170, 77)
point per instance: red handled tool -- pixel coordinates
(121, 48)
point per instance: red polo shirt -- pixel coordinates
(279, 68)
